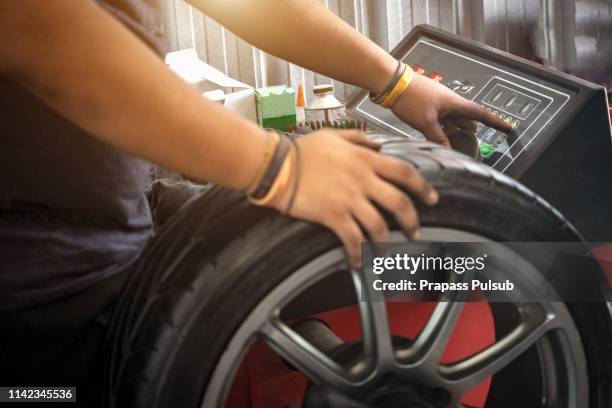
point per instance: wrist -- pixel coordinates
(283, 175)
(272, 163)
(264, 158)
(396, 88)
(277, 196)
(250, 159)
(385, 75)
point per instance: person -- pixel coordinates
(85, 104)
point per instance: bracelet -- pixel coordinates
(399, 88)
(271, 143)
(296, 176)
(280, 185)
(378, 99)
(271, 174)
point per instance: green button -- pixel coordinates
(486, 150)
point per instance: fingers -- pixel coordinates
(451, 128)
(397, 203)
(359, 138)
(406, 176)
(350, 235)
(436, 134)
(371, 220)
(474, 111)
(460, 123)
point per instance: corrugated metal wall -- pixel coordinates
(385, 21)
(510, 25)
(576, 37)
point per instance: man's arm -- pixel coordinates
(85, 65)
(306, 33)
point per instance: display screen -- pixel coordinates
(511, 101)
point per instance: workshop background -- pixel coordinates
(574, 36)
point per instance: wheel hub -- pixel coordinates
(390, 392)
(411, 397)
(386, 396)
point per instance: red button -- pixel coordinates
(418, 69)
(436, 76)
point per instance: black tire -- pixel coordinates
(219, 257)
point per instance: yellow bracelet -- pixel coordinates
(281, 183)
(265, 160)
(399, 88)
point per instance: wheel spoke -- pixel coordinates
(470, 372)
(306, 358)
(431, 342)
(375, 323)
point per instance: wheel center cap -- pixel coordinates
(406, 399)
(411, 396)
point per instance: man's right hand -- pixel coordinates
(429, 107)
(342, 175)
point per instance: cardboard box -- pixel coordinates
(242, 103)
(275, 107)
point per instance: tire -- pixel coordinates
(218, 258)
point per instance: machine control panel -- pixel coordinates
(560, 143)
(529, 104)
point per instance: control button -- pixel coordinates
(514, 124)
(487, 137)
(418, 69)
(436, 76)
(508, 121)
(486, 150)
(501, 116)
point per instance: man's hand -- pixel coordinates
(430, 107)
(342, 176)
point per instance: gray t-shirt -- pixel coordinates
(72, 208)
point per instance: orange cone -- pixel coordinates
(301, 101)
(300, 115)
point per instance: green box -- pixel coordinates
(275, 107)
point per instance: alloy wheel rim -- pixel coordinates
(547, 325)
